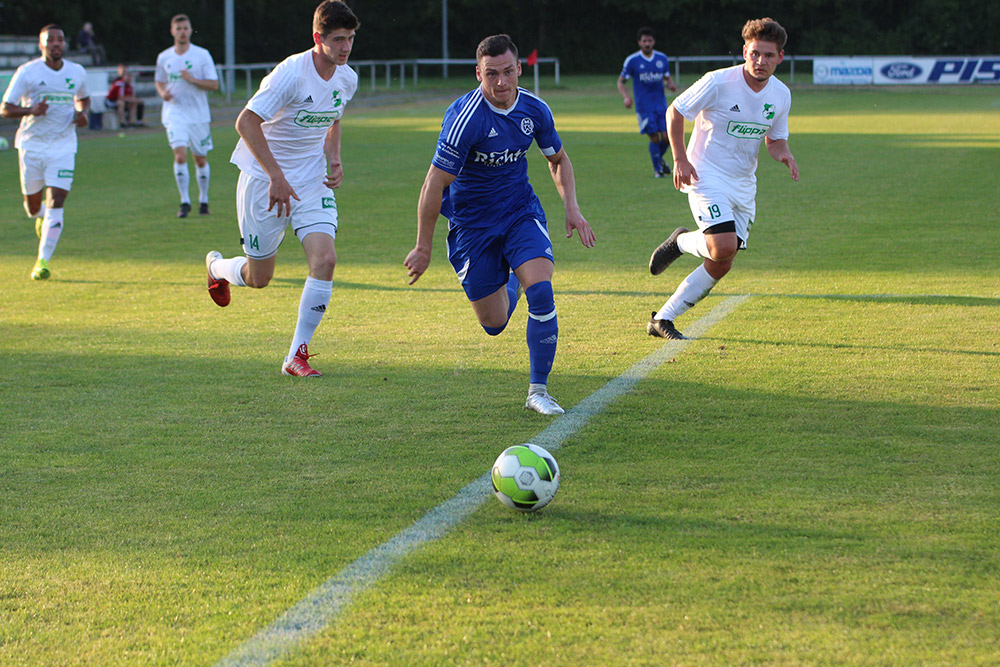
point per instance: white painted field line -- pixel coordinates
(321, 607)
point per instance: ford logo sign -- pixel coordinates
(901, 71)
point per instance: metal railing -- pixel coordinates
(391, 71)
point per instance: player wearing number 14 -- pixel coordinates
(733, 110)
(289, 160)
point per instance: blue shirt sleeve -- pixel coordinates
(454, 143)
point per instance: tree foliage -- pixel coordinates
(587, 35)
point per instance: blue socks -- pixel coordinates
(655, 154)
(543, 331)
(512, 285)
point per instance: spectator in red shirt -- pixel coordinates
(122, 97)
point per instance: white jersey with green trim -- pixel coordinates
(730, 122)
(298, 108)
(189, 103)
(54, 132)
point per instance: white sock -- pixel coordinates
(183, 178)
(312, 306)
(692, 289)
(229, 269)
(694, 243)
(202, 174)
(52, 226)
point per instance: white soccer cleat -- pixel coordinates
(543, 403)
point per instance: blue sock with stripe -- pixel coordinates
(512, 285)
(542, 331)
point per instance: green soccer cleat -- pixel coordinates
(41, 270)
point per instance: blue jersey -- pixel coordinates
(486, 149)
(647, 80)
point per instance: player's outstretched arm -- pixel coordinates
(428, 210)
(280, 191)
(331, 148)
(778, 149)
(623, 90)
(562, 176)
(684, 171)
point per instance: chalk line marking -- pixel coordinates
(321, 607)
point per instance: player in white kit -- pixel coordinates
(185, 74)
(49, 95)
(289, 160)
(733, 110)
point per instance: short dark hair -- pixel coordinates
(495, 45)
(178, 18)
(765, 30)
(51, 26)
(332, 15)
(643, 31)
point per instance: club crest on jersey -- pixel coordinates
(69, 84)
(527, 126)
(768, 111)
(336, 99)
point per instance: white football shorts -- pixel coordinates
(38, 172)
(711, 206)
(195, 136)
(262, 231)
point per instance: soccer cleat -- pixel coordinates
(659, 174)
(184, 210)
(218, 288)
(41, 270)
(38, 227)
(668, 251)
(543, 403)
(203, 208)
(664, 329)
(664, 168)
(298, 364)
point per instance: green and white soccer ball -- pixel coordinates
(525, 477)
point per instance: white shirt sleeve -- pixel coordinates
(700, 96)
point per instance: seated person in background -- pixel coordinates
(122, 97)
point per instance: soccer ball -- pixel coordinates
(4, 144)
(525, 477)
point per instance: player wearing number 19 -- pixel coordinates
(289, 160)
(733, 110)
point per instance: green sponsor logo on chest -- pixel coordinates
(746, 130)
(316, 118)
(329, 202)
(58, 98)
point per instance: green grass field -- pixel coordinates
(812, 481)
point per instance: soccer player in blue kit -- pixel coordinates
(649, 71)
(478, 179)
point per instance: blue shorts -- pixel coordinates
(652, 121)
(483, 258)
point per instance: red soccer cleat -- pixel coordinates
(298, 365)
(218, 288)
